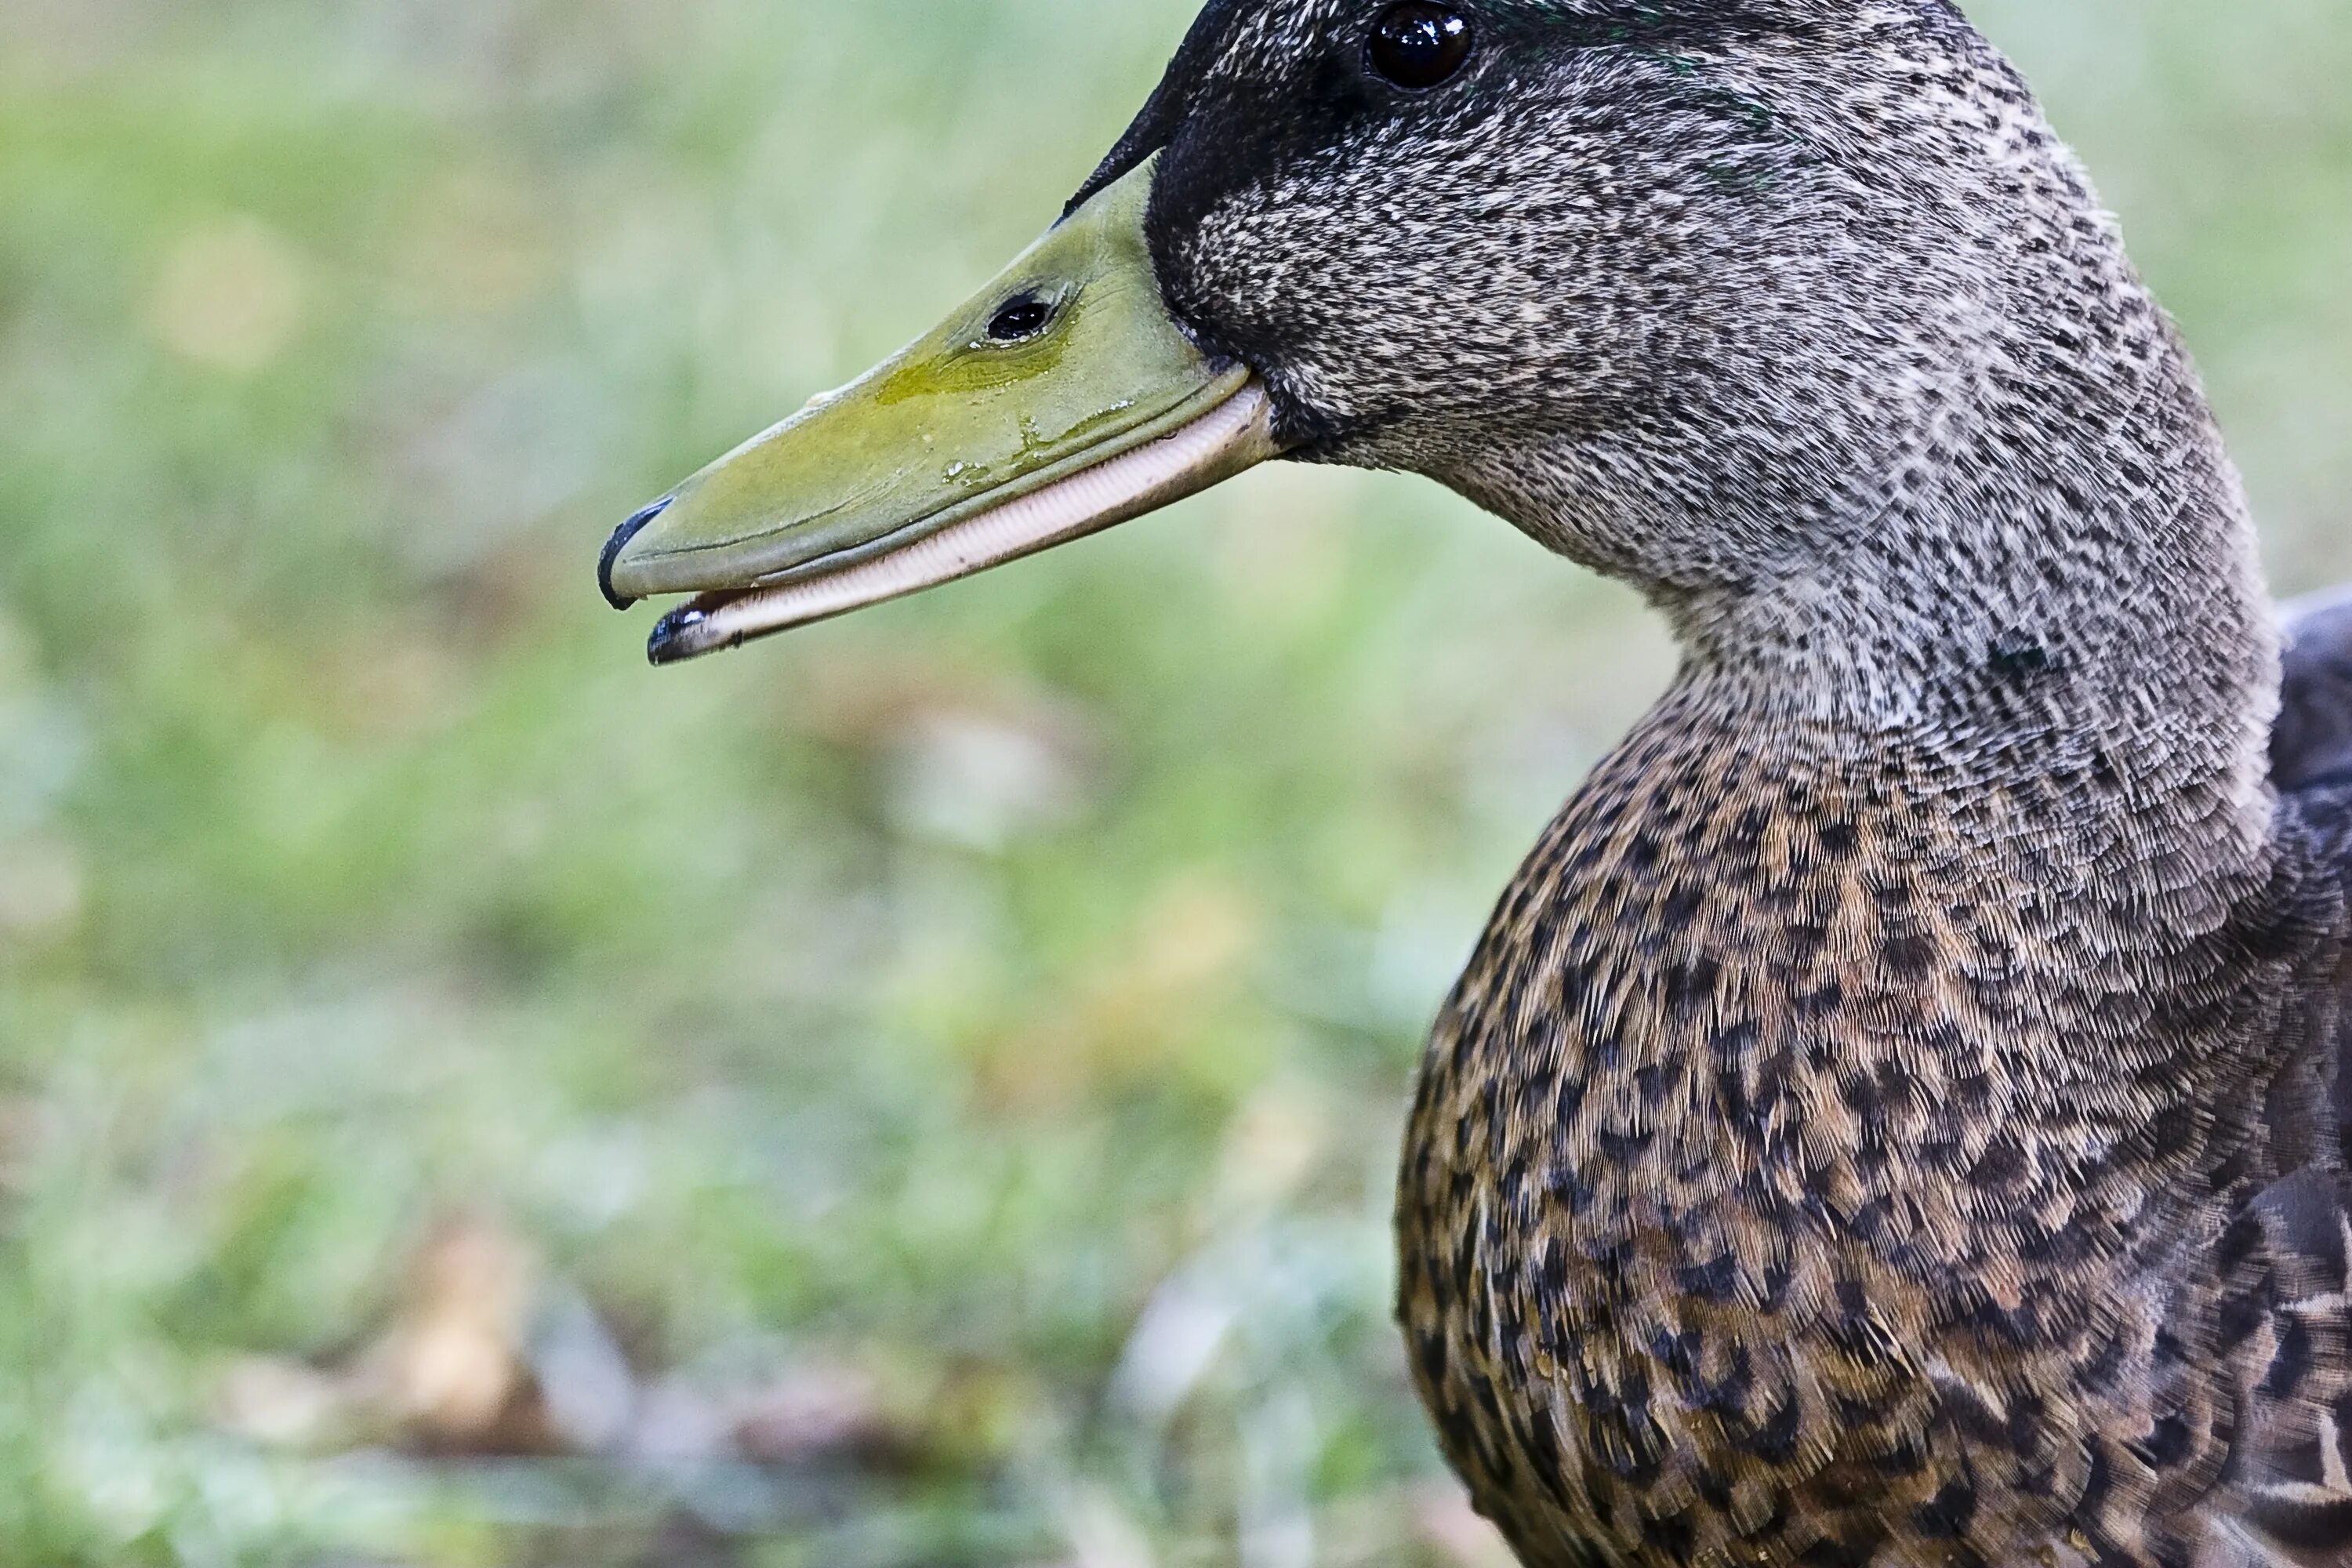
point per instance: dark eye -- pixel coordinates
(1021, 318)
(1420, 44)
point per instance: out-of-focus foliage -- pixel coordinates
(922, 1093)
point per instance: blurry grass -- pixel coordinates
(991, 1017)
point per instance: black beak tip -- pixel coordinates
(667, 645)
(620, 541)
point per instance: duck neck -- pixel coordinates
(2052, 594)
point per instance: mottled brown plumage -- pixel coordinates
(1844, 1153)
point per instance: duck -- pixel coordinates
(1894, 1116)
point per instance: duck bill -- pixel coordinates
(1064, 398)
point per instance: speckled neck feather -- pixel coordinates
(1892, 1116)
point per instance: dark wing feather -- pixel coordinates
(2311, 759)
(2296, 1461)
(2311, 754)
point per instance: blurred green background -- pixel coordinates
(923, 1092)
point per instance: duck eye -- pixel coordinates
(1420, 45)
(1023, 316)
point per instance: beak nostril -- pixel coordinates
(620, 541)
(1023, 316)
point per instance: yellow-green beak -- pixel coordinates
(1063, 399)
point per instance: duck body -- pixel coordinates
(1892, 1116)
(1895, 1117)
(1840, 1155)
(1891, 1119)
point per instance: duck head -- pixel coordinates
(1698, 292)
